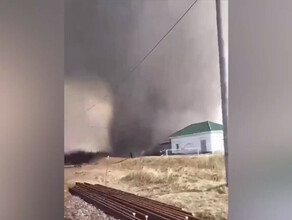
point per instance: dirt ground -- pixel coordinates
(196, 184)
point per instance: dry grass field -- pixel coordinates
(196, 184)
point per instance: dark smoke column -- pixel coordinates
(177, 85)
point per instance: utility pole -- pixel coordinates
(223, 82)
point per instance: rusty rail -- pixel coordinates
(127, 206)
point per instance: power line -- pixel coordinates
(91, 107)
(164, 36)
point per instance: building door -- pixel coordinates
(203, 146)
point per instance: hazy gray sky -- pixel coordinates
(178, 84)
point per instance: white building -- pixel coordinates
(204, 137)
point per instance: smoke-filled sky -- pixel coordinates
(108, 107)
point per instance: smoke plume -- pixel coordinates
(178, 84)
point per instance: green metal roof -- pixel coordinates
(198, 128)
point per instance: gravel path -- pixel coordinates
(77, 209)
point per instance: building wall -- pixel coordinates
(217, 141)
(214, 142)
(192, 141)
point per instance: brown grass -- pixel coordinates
(196, 184)
(149, 176)
(183, 173)
(212, 162)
